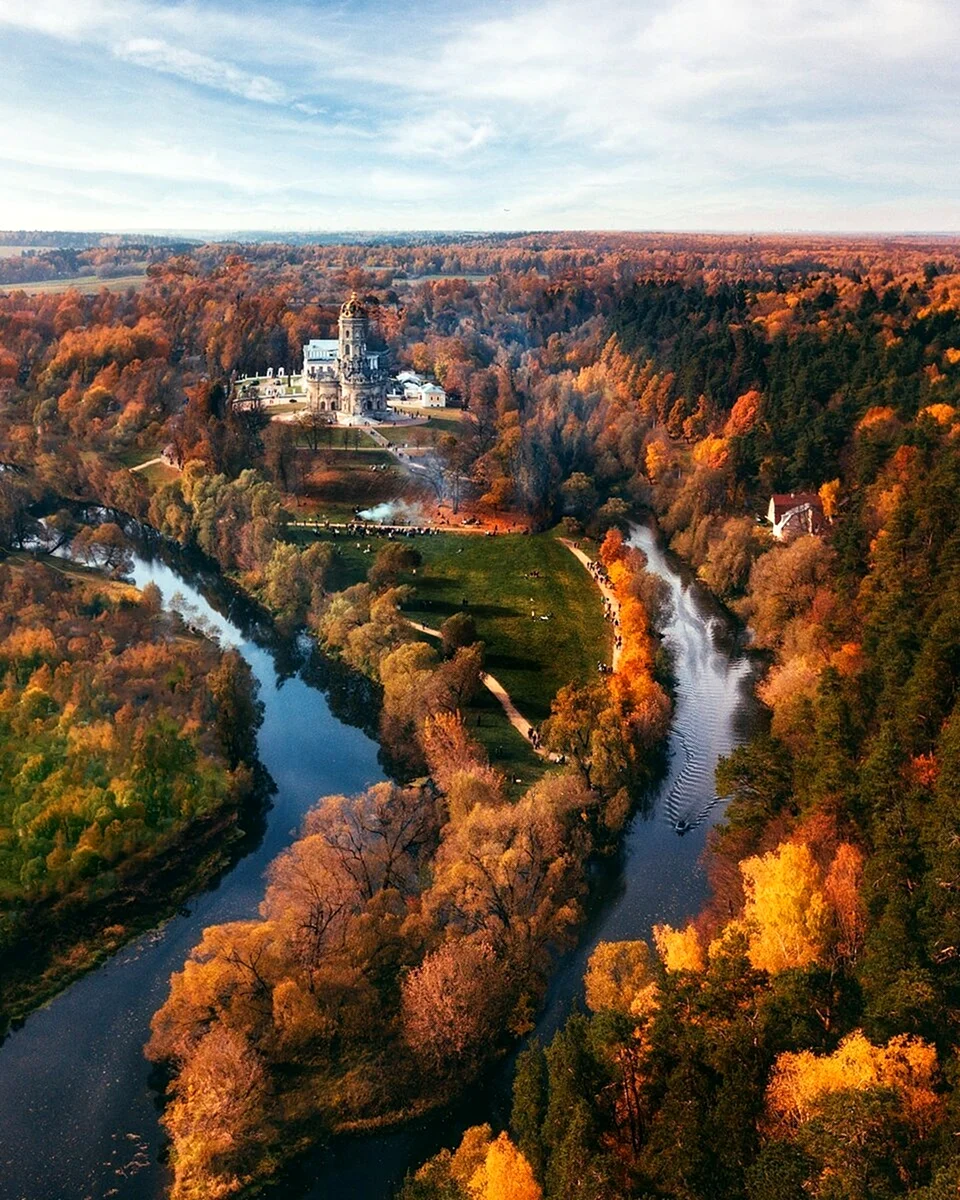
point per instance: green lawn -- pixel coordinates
(158, 474)
(440, 420)
(530, 657)
(134, 456)
(343, 437)
(506, 749)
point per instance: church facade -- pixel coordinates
(343, 376)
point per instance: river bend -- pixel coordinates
(78, 1119)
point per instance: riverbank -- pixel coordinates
(65, 938)
(116, 800)
(658, 877)
(103, 1019)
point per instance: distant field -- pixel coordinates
(87, 284)
(412, 279)
(16, 251)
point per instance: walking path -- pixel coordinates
(152, 462)
(404, 459)
(496, 688)
(499, 692)
(607, 592)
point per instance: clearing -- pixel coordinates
(510, 582)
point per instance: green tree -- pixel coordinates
(530, 1105)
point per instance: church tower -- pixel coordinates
(354, 324)
(363, 379)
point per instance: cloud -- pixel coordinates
(639, 114)
(66, 19)
(200, 69)
(438, 135)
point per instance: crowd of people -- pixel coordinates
(610, 613)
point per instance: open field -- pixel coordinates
(531, 657)
(450, 420)
(136, 456)
(158, 474)
(17, 251)
(412, 280)
(344, 437)
(87, 284)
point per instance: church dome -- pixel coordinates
(353, 307)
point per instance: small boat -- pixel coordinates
(682, 826)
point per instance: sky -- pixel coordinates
(839, 115)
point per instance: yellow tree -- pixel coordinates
(801, 1082)
(504, 1174)
(620, 976)
(829, 496)
(679, 949)
(786, 910)
(218, 1110)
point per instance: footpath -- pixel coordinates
(612, 608)
(496, 688)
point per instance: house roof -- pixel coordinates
(783, 502)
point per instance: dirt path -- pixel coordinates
(151, 462)
(496, 688)
(499, 692)
(606, 591)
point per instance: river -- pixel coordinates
(78, 1118)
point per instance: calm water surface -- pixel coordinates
(77, 1116)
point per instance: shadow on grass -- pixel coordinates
(511, 662)
(446, 608)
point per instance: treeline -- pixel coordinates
(121, 735)
(817, 329)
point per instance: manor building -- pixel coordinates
(343, 375)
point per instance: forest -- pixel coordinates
(125, 740)
(798, 1036)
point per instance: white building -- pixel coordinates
(344, 376)
(413, 391)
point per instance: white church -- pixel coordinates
(346, 377)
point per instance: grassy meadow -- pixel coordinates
(504, 580)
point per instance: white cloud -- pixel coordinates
(640, 113)
(438, 135)
(200, 69)
(67, 19)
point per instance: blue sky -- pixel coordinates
(635, 114)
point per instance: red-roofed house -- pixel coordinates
(793, 513)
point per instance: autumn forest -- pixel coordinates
(779, 418)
